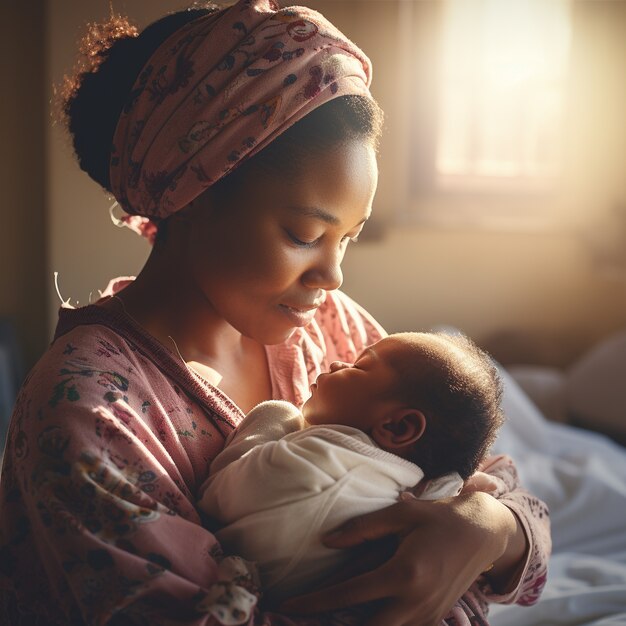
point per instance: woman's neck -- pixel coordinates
(173, 310)
(165, 301)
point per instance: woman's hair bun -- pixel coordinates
(93, 95)
(111, 55)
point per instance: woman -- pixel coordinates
(247, 136)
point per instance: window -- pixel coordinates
(497, 119)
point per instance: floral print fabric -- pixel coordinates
(111, 438)
(220, 89)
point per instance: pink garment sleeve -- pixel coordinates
(97, 523)
(534, 517)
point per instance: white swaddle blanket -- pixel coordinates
(277, 488)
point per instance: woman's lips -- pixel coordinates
(299, 316)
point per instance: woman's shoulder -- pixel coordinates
(101, 390)
(84, 363)
(101, 338)
(87, 342)
(99, 357)
(86, 336)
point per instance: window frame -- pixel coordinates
(498, 202)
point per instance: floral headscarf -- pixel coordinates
(217, 91)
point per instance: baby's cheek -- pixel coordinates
(308, 410)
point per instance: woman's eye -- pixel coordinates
(300, 242)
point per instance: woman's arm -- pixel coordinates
(445, 546)
(512, 532)
(97, 517)
(527, 580)
(504, 574)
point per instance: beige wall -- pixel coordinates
(85, 248)
(545, 285)
(525, 293)
(22, 221)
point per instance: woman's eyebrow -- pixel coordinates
(321, 214)
(317, 213)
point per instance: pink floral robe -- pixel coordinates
(110, 439)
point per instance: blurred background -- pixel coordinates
(501, 208)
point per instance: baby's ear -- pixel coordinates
(399, 428)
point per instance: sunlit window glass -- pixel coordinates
(503, 77)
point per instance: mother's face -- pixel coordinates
(265, 257)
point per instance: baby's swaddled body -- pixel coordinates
(279, 486)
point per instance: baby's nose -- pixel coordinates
(338, 365)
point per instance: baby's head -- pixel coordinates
(432, 398)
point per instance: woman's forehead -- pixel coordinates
(332, 216)
(332, 187)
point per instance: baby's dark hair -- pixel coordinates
(457, 387)
(113, 53)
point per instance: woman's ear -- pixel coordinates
(399, 428)
(190, 218)
(200, 205)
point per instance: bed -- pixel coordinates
(582, 477)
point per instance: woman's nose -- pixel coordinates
(326, 274)
(338, 365)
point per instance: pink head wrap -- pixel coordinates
(217, 91)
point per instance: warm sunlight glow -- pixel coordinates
(504, 66)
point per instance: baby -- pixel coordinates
(415, 411)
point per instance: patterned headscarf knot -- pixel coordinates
(220, 89)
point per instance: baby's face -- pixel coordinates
(354, 395)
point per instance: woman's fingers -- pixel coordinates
(401, 614)
(365, 588)
(395, 519)
(443, 546)
(365, 558)
(397, 618)
(479, 481)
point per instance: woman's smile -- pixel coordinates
(260, 278)
(298, 316)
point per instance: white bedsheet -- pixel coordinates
(582, 478)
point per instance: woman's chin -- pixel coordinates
(271, 337)
(279, 326)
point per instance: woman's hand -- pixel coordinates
(480, 481)
(444, 546)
